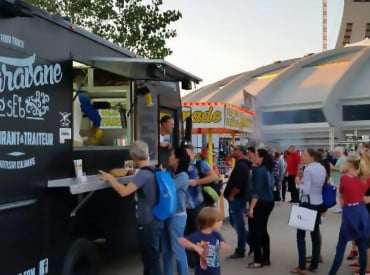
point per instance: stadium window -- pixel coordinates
(347, 33)
(293, 117)
(356, 112)
(367, 32)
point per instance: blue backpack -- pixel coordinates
(166, 204)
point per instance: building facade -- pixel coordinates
(319, 100)
(355, 24)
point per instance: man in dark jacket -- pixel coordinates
(236, 193)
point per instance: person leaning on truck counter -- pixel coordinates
(150, 228)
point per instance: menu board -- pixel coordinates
(110, 119)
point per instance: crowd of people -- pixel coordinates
(190, 237)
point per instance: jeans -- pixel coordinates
(192, 226)
(315, 239)
(260, 239)
(149, 237)
(294, 192)
(173, 230)
(237, 213)
(339, 254)
(284, 187)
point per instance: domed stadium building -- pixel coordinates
(319, 100)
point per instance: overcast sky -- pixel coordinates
(219, 38)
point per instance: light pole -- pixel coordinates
(331, 137)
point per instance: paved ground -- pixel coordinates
(283, 249)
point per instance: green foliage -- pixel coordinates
(141, 28)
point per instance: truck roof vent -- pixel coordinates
(67, 18)
(11, 8)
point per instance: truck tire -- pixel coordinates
(81, 259)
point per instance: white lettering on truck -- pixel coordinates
(17, 74)
(26, 138)
(11, 40)
(31, 271)
(25, 75)
(43, 268)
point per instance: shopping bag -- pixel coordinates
(302, 218)
(329, 195)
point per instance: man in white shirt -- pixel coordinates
(167, 124)
(165, 132)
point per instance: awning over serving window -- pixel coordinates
(142, 69)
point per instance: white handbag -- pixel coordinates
(302, 218)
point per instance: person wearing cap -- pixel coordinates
(204, 156)
(236, 193)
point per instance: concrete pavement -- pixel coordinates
(284, 254)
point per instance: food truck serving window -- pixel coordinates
(111, 96)
(101, 102)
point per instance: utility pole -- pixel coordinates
(324, 25)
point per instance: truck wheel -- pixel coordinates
(81, 259)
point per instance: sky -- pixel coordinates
(219, 38)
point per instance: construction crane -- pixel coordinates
(324, 25)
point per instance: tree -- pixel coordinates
(141, 28)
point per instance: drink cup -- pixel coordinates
(78, 168)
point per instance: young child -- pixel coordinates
(206, 242)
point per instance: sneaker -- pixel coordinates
(236, 255)
(352, 254)
(357, 272)
(354, 265)
(298, 271)
(266, 262)
(338, 211)
(308, 259)
(313, 270)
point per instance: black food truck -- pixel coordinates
(49, 218)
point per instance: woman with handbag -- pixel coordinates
(311, 187)
(355, 218)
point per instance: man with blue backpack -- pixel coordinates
(150, 227)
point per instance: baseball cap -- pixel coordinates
(204, 152)
(241, 148)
